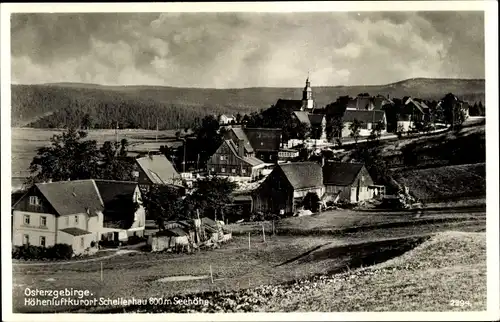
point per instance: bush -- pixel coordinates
(30, 252)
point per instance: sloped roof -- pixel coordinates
(303, 174)
(72, 197)
(241, 135)
(364, 116)
(361, 103)
(294, 105)
(316, 119)
(302, 117)
(411, 102)
(113, 190)
(158, 169)
(73, 231)
(340, 173)
(264, 139)
(253, 161)
(209, 222)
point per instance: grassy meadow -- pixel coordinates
(25, 142)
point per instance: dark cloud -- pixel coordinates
(246, 49)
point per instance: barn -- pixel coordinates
(287, 185)
(351, 181)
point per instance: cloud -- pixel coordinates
(246, 49)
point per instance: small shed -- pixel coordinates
(173, 238)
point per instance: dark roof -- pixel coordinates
(75, 231)
(172, 232)
(113, 190)
(412, 106)
(295, 105)
(72, 197)
(302, 117)
(250, 160)
(316, 119)
(158, 169)
(364, 116)
(241, 136)
(340, 173)
(303, 174)
(361, 103)
(264, 139)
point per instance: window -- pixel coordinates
(243, 171)
(34, 201)
(212, 169)
(43, 221)
(67, 221)
(82, 241)
(26, 219)
(223, 170)
(233, 170)
(76, 220)
(222, 158)
(42, 241)
(26, 239)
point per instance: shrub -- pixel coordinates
(30, 252)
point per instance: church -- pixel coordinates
(305, 104)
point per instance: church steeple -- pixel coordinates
(307, 99)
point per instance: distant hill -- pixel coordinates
(55, 105)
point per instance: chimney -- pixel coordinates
(241, 148)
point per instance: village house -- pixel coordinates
(156, 169)
(287, 154)
(412, 111)
(124, 214)
(230, 160)
(73, 213)
(265, 143)
(368, 121)
(349, 182)
(315, 122)
(287, 185)
(226, 119)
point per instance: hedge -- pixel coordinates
(58, 251)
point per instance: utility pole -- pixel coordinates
(184, 157)
(116, 132)
(156, 138)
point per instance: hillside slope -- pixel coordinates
(142, 105)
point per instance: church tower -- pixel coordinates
(307, 99)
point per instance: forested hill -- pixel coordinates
(57, 105)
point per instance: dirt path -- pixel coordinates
(117, 253)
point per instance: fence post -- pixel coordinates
(248, 240)
(263, 233)
(211, 274)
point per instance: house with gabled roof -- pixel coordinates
(411, 112)
(230, 160)
(226, 119)
(124, 215)
(76, 213)
(286, 186)
(368, 121)
(351, 182)
(156, 169)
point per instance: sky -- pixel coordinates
(235, 50)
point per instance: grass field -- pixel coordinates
(466, 180)
(25, 142)
(280, 259)
(349, 221)
(435, 276)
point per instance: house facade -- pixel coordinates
(413, 111)
(68, 212)
(225, 119)
(230, 160)
(286, 186)
(351, 182)
(368, 121)
(265, 143)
